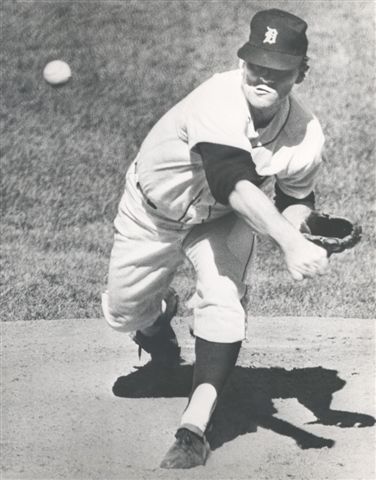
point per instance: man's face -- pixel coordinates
(266, 87)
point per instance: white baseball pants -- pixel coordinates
(146, 253)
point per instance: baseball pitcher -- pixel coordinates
(195, 191)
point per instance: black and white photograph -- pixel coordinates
(188, 240)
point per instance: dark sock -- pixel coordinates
(214, 362)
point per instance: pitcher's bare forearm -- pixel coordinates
(259, 213)
(303, 258)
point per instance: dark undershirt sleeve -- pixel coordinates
(224, 167)
(282, 201)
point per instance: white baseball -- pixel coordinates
(57, 72)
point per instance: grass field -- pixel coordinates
(65, 150)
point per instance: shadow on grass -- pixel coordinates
(247, 400)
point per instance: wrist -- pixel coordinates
(297, 215)
(287, 238)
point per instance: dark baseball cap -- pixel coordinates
(277, 40)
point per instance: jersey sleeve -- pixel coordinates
(298, 180)
(225, 166)
(216, 113)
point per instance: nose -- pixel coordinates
(264, 79)
(262, 74)
(265, 75)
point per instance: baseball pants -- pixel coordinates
(148, 249)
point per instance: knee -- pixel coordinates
(114, 320)
(224, 293)
(118, 316)
(127, 314)
(219, 314)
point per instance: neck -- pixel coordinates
(263, 116)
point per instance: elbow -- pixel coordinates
(242, 190)
(224, 192)
(235, 195)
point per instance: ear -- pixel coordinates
(303, 69)
(301, 77)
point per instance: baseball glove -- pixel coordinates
(335, 234)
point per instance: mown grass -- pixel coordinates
(65, 150)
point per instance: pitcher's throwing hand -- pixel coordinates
(306, 260)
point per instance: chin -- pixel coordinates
(260, 101)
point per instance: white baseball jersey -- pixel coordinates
(170, 171)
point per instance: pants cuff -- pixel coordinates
(192, 428)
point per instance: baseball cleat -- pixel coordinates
(163, 346)
(189, 450)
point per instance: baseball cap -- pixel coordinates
(277, 40)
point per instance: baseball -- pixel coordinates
(57, 72)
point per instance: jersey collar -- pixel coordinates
(264, 136)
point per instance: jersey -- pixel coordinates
(170, 169)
